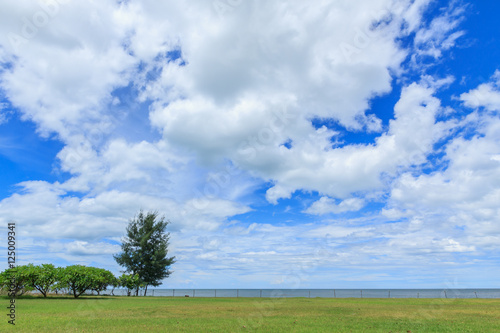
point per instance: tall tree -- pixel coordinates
(145, 249)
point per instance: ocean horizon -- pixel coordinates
(322, 293)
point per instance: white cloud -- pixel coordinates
(313, 164)
(327, 205)
(81, 248)
(69, 64)
(487, 95)
(441, 34)
(235, 97)
(3, 114)
(105, 215)
(462, 199)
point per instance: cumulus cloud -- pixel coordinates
(226, 97)
(462, 198)
(69, 66)
(229, 94)
(472, 162)
(314, 164)
(487, 95)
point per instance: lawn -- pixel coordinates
(162, 314)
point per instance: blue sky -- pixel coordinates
(347, 144)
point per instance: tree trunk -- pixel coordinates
(146, 291)
(44, 293)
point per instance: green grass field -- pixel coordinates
(166, 314)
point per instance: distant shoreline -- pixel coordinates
(484, 293)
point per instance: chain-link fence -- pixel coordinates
(323, 293)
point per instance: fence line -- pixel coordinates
(321, 293)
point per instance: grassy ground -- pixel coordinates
(162, 314)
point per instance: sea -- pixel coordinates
(322, 293)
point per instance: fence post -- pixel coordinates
(215, 292)
(173, 292)
(237, 293)
(445, 296)
(334, 295)
(361, 293)
(389, 294)
(475, 294)
(194, 292)
(418, 295)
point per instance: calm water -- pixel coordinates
(326, 293)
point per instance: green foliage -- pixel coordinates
(130, 282)
(15, 281)
(41, 277)
(114, 283)
(77, 278)
(100, 279)
(59, 285)
(145, 249)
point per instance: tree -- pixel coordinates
(100, 279)
(41, 277)
(45, 277)
(77, 278)
(129, 282)
(14, 280)
(145, 250)
(115, 283)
